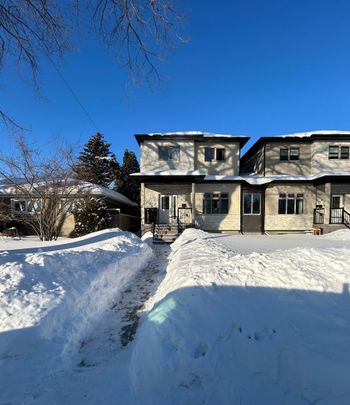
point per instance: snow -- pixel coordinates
(223, 319)
(7, 188)
(252, 328)
(171, 173)
(193, 133)
(52, 297)
(259, 180)
(318, 132)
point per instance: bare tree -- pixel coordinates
(137, 32)
(38, 190)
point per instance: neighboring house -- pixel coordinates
(304, 181)
(282, 184)
(124, 212)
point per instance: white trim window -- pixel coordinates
(215, 203)
(25, 205)
(338, 152)
(169, 153)
(289, 153)
(251, 203)
(217, 154)
(291, 203)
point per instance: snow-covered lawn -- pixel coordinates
(233, 320)
(255, 328)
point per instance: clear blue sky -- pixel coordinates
(250, 67)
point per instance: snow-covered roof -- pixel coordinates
(260, 180)
(171, 173)
(8, 187)
(319, 132)
(112, 194)
(192, 133)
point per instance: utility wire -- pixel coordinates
(85, 111)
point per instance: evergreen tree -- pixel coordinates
(91, 215)
(130, 186)
(96, 164)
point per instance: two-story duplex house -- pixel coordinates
(305, 180)
(173, 174)
(290, 183)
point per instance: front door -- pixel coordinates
(167, 209)
(337, 205)
(252, 211)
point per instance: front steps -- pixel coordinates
(165, 233)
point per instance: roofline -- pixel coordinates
(292, 139)
(242, 140)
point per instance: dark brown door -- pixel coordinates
(252, 210)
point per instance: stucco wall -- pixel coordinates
(320, 160)
(218, 222)
(273, 164)
(289, 222)
(255, 164)
(228, 167)
(150, 195)
(150, 156)
(68, 225)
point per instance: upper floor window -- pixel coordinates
(169, 153)
(338, 152)
(289, 153)
(215, 203)
(291, 203)
(214, 154)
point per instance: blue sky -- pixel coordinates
(250, 67)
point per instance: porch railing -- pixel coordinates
(184, 218)
(339, 216)
(336, 216)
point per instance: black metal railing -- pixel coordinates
(184, 218)
(151, 215)
(319, 216)
(346, 218)
(336, 216)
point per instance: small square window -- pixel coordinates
(209, 154)
(294, 154)
(163, 153)
(344, 152)
(220, 154)
(333, 152)
(284, 154)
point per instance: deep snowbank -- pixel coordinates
(227, 328)
(52, 297)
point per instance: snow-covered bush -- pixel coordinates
(91, 215)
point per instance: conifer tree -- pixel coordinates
(91, 215)
(130, 185)
(96, 164)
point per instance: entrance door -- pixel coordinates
(252, 207)
(337, 205)
(167, 209)
(337, 201)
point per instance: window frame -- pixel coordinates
(333, 156)
(346, 148)
(215, 199)
(209, 154)
(223, 151)
(165, 153)
(284, 199)
(297, 156)
(251, 211)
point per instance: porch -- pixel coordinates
(337, 218)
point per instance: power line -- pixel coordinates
(85, 111)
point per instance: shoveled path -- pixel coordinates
(118, 325)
